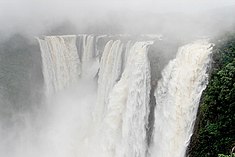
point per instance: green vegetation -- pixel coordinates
(222, 155)
(215, 132)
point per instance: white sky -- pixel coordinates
(142, 5)
(34, 13)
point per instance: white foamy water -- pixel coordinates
(61, 64)
(108, 116)
(110, 71)
(177, 98)
(124, 126)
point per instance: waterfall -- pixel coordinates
(61, 64)
(125, 120)
(110, 71)
(88, 48)
(177, 98)
(89, 55)
(135, 117)
(64, 63)
(117, 119)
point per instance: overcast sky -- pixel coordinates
(157, 5)
(37, 13)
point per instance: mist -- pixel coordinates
(132, 17)
(35, 123)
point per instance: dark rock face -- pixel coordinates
(21, 79)
(160, 53)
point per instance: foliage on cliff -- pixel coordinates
(215, 133)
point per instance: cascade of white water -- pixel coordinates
(177, 98)
(124, 126)
(90, 61)
(88, 48)
(122, 108)
(135, 118)
(127, 50)
(61, 65)
(110, 71)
